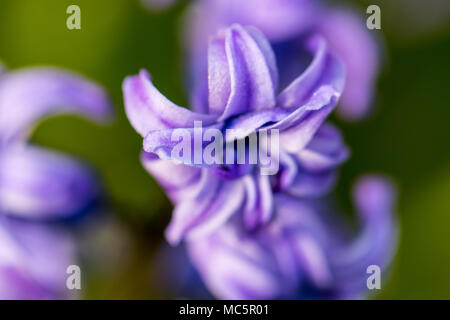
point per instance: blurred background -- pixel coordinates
(407, 137)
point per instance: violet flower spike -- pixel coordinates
(243, 85)
(38, 185)
(300, 255)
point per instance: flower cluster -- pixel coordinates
(41, 189)
(286, 23)
(251, 235)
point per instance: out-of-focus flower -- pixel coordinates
(286, 23)
(36, 183)
(242, 94)
(33, 260)
(301, 254)
(40, 187)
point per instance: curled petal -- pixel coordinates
(375, 200)
(28, 95)
(325, 151)
(242, 72)
(147, 109)
(178, 180)
(39, 184)
(312, 96)
(214, 203)
(33, 261)
(324, 70)
(311, 172)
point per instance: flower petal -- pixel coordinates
(39, 184)
(147, 109)
(325, 151)
(28, 95)
(178, 180)
(184, 145)
(215, 202)
(312, 185)
(312, 96)
(235, 265)
(259, 201)
(374, 197)
(242, 72)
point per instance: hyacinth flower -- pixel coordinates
(243, 82)
(40, 188)
(303, 253)
(286, 23)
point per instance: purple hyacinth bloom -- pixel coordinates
(37, 185)
(242, 94)
(301, 254)
(286, 23)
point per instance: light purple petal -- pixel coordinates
(311, 172)
(219, 83)
(375, 200)
(242, 72)
(39, 184)
(26, 96)
(312, 96)
(215, 202)
(259, 201)
(325, 151)
(147, 109)
(178, 180)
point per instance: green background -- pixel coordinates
(407, 138)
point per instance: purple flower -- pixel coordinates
(302, 253)
(286, 23)
(242, 94)
(37, 185)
